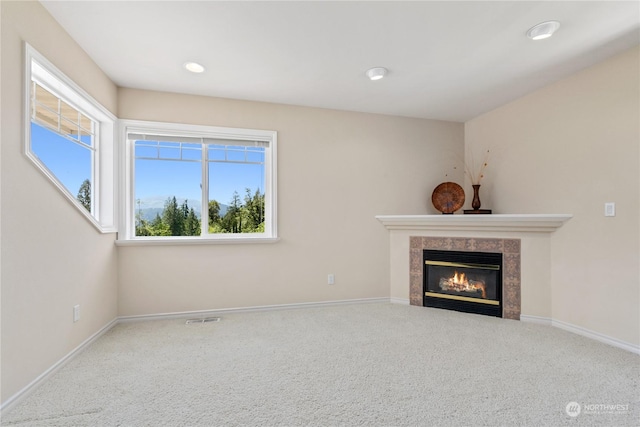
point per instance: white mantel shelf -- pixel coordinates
(532, 223)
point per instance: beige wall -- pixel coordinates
(569, 148)
(336, 171)
(52, 257)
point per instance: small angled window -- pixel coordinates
(63, 140)
(70, 138)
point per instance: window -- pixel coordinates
(69, 137)
(188, 182)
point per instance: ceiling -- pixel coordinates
(447, 60)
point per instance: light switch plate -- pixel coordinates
(609, 209)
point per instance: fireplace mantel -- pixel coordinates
(537, 223)
(448, 232)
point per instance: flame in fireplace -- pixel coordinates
(459, 283)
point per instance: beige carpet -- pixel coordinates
(347, 365)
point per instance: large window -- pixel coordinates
(196, 182)
(69, 137)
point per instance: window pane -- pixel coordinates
(167, 197)
(169, 152)
(85, 123)
(86, 137)
(68, 112)
(217, 152)
(62, 117)
(70, 129)
(146, 149)
(255, 155)
(236, 198)
(236, 154)
(192, 151)
(68, 161)
(46, 107)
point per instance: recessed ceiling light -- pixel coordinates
(194, 67)
(377, 73)
(543, 30)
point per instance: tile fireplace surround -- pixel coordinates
(509, 248)
(524, 241)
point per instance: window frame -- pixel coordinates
(126, 235)
(103, 214)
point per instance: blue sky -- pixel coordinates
(163, 178)
(155, 179)
(68, 161)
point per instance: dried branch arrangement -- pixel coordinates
(470, 168)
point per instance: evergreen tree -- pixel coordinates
(173, 217)
(254, 206)
(173, 221)
(247, 217)
(182, 220)
(84, 194)
(232, 220)
(192, 224)
(158, 227)
(142, 227)
(185, 209)
(214, 212)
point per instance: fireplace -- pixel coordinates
(511, 265)
(463, 281)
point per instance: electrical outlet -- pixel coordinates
(609, 209)
(76, 313)
(331, 279)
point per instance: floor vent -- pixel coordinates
(205, 320)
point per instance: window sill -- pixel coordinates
(192, 242)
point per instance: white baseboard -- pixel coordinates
(26, 391)
(536, 319)
(218, 312)
(596, 336)
(402, 301)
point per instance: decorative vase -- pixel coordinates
(475, 203)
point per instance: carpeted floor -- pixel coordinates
(345, 365)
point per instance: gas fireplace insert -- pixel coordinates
(463, 281)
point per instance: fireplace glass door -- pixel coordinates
(463, 281)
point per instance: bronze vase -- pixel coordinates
(475, 203)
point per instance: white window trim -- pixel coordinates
(38, 68)
(126, 234)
